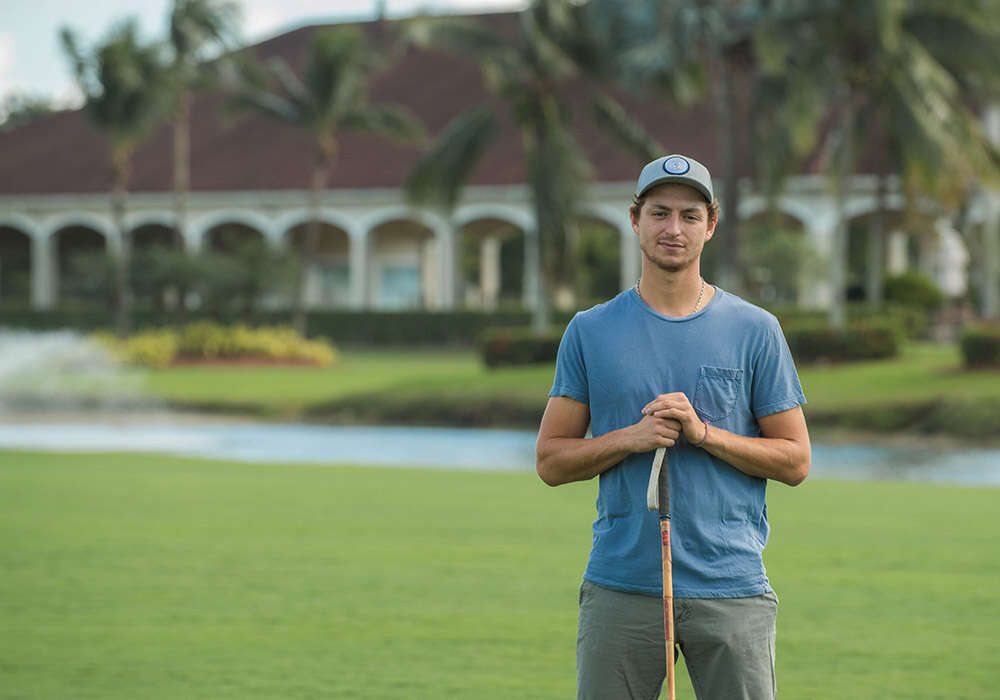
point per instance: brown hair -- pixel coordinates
(637, 202)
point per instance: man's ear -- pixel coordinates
(711, 227)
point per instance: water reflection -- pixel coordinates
(439, 448)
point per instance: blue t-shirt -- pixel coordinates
(732, 362)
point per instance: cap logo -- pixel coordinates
(676, 165)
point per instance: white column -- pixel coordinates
(44, 272)
(631, 256)
(360, 266)
(816, 291)
(489, 271)
(532, 268)
(431, 277)
(898, 253)
(446, 239)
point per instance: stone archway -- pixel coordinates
(778, 257)
(328, 281)
(85, 265)
(403, 265)
(598, 264)
(874, 247)
(157, 271)
(15, 266)
(227, 237)
(491, 263)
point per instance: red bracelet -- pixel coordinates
(706, 435)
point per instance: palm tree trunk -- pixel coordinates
(307, 253)
(838, 260)
(876, 239)
(727, 236)
(182, 166)
(123, 293)
(991, 263)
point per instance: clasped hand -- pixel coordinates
(664, 420)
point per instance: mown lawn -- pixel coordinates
(444, 385)
(130, 576)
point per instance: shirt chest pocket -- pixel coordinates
(716, 393)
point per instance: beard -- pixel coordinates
(668, 264)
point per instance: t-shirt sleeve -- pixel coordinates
(776, 384)
(571, 371)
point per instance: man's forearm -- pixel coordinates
(561, 460)
(781, 459)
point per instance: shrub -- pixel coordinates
(981, 345)
(206, 340)
(151, 348)
(518, 346)
(914, 290)
(912, 322)
(202, 339)
(813, 342)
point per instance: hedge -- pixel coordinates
(811, 342)
(519, 346)
(911, 322)
(344, 327)
(981, 346)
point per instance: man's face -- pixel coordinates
(673, 226)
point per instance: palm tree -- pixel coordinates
(885, 68)
(526, 76)
(123, 82)
(195, 27)
(682, 50)
(328, 99)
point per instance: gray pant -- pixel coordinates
(727, 644)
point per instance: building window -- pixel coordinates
(399, 286)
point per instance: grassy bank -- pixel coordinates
(924, 391)
(130, 576)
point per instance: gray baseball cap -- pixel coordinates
(676, 168)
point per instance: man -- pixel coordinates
(677, 363)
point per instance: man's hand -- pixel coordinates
(652, 432)
(677, 409)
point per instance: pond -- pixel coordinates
(436, 448)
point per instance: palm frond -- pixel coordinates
(270, 104)
(391, 121)
(439, 174)
(336, 70)
(196, 25)
(294, 89)
(467, 38)
(609, 114)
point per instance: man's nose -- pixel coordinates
(673, 224)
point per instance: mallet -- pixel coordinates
(658, 499)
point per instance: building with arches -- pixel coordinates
(376, 251)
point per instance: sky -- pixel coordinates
(32, 62)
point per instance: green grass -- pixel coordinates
(925, 390)
(922, 372)
(129, 576)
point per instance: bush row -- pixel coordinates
(981, 346)
(518, 346)
(809, 341)
(911, 322)
(210, 341)
(385, 328)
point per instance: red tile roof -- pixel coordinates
(63, 153)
